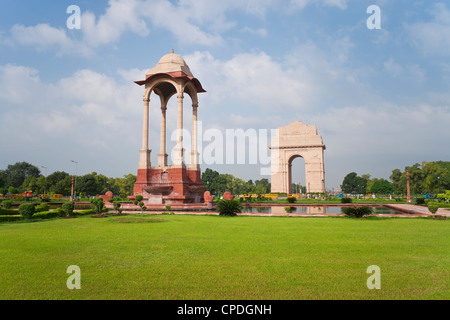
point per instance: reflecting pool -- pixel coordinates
(311, 210)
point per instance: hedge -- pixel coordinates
(42, 207)
(10, 218)
(27, 210)
(8, 212)
(434, 206)
(46, 214)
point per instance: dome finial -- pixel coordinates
(172, 51)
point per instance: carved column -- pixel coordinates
(144, 159)
(162, 156)
(179, 151)
(194, 150)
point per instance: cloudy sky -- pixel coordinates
(380, 98)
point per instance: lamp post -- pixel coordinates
(76, 172)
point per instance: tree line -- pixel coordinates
(23, 176)
(425, 178)
(218, 183)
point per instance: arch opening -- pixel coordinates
(296, 174)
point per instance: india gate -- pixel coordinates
(292, 141)
(177, 183)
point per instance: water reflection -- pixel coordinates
(308, 210)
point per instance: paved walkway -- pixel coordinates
(418, 210)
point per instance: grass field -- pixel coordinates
(213, 257)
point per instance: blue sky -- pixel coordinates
(380, 98)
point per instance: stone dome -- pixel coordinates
(171, 63)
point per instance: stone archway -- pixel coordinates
(297, 140)
(290, 172)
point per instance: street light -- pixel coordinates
(76, 172)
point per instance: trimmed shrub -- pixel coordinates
(42, 207)
(433, 208)
(291, 199)
(46, 214)
(228, 207)
(68, 208)
(346, 200)
(117, 206)
(289, 209)
(7, 204)
(84, 212)
(8, 212)
(10, 218)
(97, 205)
(420, 201)
(27, 210)
(143, 207)
(357, 211)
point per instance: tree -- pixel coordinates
(123, 186)
(433, 172)
(2, 179)
(229, 183)
(88, 184)
(210, 180)
(262, 186)
(249, 187)
(56, 176)
(381, 186)
(97, 205)
(416, 179)
(16, 174)
(352, 183)
(239, 186)
(63, 186)
(398, 181)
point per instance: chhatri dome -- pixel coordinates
(171, 63)
(174, 66)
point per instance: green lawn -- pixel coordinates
(212, 257)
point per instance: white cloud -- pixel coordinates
(202, 22)
(252, 79)
(120, 16)
(88, 114)
(433, 37)
(43, 37)
(300, 4)
(261, 32)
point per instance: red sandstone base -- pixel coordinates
(173, 186)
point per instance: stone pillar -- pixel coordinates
(144, 159)
(408, 192)
(194, 150)
(179, 151)
(162, 156)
